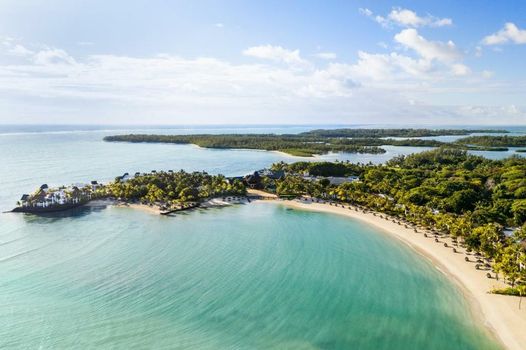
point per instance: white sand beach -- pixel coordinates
(501, 314)
(155, 209)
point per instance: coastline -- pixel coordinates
(499, 313)
(153, 209)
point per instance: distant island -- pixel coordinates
(308, 144)
(494, 141)
(405, 132)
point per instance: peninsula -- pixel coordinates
(471, 207)
(480, 203)
(310, 143)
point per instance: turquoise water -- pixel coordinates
(247, 277)
(32, 155)
(255, 276)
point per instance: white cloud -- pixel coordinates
(219, 25)
(429, 61)
(104, 88)
(406, 18)
(365, 12)
(390, 68)
(14, 48)
(19, 50)
(276, 54)
(326, 55)
(460, 69)
(442, 22)
(443, 52)
(53, 56)
(510, 33)
(171, 79)
(492, 111)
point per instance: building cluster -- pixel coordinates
(255, 179)
(46, 197)
(333, 180)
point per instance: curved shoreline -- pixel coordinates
(500, 314)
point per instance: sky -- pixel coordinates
(262, 62)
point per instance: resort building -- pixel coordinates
(95, 185)
(46, 197)
(124, 177)
(333, 180)
(272, 174)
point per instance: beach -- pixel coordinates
(500, 314)
(155, 209)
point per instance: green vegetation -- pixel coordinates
(320, 141)
(494, 141)
(172, 187)
(519, 291)
(305, 144)
(468, 197)
(291, 144)
(490, 149)
(378, 133)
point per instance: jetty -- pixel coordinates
(180, 208)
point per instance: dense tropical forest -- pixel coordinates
(291, 144)
(171, 187)
(494, 141)
(379, 133)
(308, 143)
(470, 198)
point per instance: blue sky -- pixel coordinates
(181, 62)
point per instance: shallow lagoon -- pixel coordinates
(251, 276)
(242, 277)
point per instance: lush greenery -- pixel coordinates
(494, 141)
(172, 187)
(291, 144)
(468, 197)
(485, 148)
(378, 133)
(305, 144)
(516, 291)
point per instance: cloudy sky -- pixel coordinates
(286, 62)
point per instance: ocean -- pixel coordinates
(255, 276)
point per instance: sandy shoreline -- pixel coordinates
(153, 209)
(500, 313)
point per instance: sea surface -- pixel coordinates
(255, 276)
